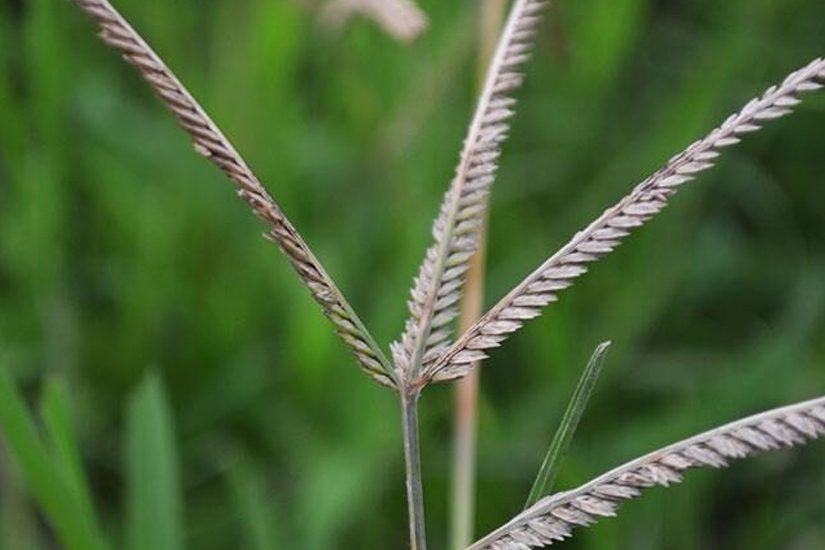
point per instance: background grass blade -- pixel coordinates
(246, 488)
(56, 412)
(44, 478)
(154, 505)
(567, 429)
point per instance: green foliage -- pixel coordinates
(154, 505)
(56, 412)
(246, 485)
(49, 466)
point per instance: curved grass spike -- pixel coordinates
(438, 286)
(553, 518)
(539, 289)
(211, 143)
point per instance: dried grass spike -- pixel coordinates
(606, 232)
(211, 143)
(555, 517)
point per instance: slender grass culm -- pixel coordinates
(465, 415)
(427, 351)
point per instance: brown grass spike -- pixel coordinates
(541, 288)
(438, 286)
(553, 518)
(211, 143)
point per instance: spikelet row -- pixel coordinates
(542, 287)
(554, 518)
(211, 143)
(439, 284)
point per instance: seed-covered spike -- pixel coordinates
(644, 201)
(465, 204)
(554, 517)
(210, 142)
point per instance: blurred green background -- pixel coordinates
(124, 255)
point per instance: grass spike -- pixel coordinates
(554, 518)
(457, 228)
(560, 271)
(210, 142)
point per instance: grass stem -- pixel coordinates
(490, 20)
(412, 460)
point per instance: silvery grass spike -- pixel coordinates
(211, 143)
(527, 300)
(401, 19)
(554, 518)
(437, 288)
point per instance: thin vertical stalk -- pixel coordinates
(412, 459)
(491, 20)
(465, 420)
(567, 427)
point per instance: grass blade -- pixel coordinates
(245, 484)
(56, 412)
(42, 476)
(567, 429)
(154, 505)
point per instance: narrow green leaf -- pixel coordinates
(56, 412)
(567, 429)
(245, 483)
(42, 476)
(154, 503)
